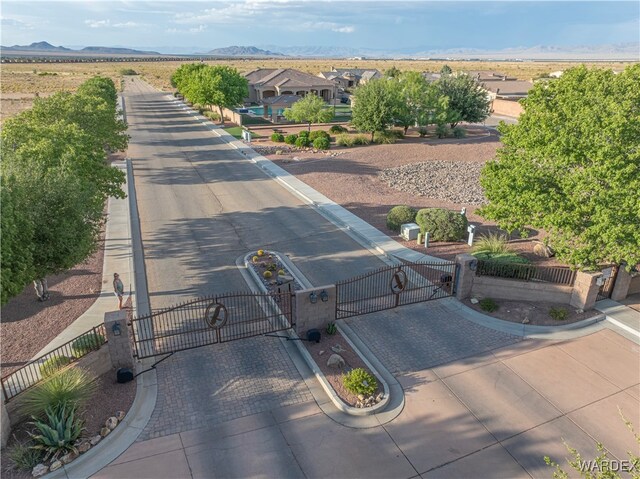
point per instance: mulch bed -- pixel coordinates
(109, 398)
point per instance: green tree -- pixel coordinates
(468, 101)
(310, 109)
(571, 166)
(375, 105)
(445, 70)
(420, 102)
(392, 72)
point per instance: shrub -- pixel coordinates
(488, 305)
(304, 133)
(459, 132)
(260, 252)
(492, 243)
(302, 141)
(254, 259)
(384, 137)
(267, 274)
(442, 131)
(54, 364)
(331, 328)
(399, 134)
(318, 134)
(24, 457)
(345, 140)
(321, 143)
(361, 140)
(559, 314)
(502, 258)
(57, 434)
(72, 386)
(281, 272)
(87, 343)
(399, 215)
(359, 381)
(338, 129)
(291, 139)
(212, 115)
(422, 131)
(442, 225)
(277, 137)
(128, 71)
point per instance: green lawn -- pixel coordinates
(236, 132)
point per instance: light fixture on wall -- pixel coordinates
(313, 297)
(324, 296)
(115, 329)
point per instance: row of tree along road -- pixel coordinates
(55, 181)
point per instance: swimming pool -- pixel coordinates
(258, 110)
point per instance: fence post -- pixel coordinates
(585, 290)
(316, 313)
(120, 350)
(6, 423)
(466, 273)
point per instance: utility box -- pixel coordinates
(409, 231)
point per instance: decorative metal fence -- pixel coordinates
(394, 286)
(527, 272)
(38, 369)
(211, 320)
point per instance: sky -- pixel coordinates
(389, 25)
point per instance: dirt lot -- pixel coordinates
(352, 179)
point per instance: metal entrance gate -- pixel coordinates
(211, 320)
(394, 286)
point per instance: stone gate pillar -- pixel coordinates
(585, 290)
(119, 342)
(466, 272)
(312, 312)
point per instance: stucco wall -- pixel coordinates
(507, 108)
(634, 286)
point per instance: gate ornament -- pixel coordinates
(216, 315)
(399, 281)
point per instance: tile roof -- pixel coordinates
(285, 77)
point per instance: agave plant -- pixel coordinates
(58, 433)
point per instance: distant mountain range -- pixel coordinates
(235, 51)
(45, 47)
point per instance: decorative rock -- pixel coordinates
(525, 321)
(361, 397)
(579, 311)
(474, 300)
(321, 353)
(120, 415)
(67, 458)
(337, 349)
(379, 397)
(55, 465)
(543, 250)
(111, 423)
(104, 431)
(84, 447)
(39, 470)
(335, 361)
(95, 440)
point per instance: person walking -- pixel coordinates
(118, 288)
(42, 288)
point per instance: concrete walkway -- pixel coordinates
(160, 454)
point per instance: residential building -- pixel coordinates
(272, 82)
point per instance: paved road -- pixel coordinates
(201, 206)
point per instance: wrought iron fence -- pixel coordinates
(38, 369)
(394, 286)
(211, 320)
(527, 272)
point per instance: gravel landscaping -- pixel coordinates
(441, 180)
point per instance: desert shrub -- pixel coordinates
(359, 381)
(267, 274)
(277, 137)
(304, 133)
(302, 141)
(399, 134)
(344, 140)
(442, 225)
(442, 131)
(559, 314)
(291, 139)
(212, 115)
(128, 71)
(314, 135)
(24, 457)
(72, 386)
(331, 328)
(47, 74)
(459, 132)
(56, 435)
(338, 129)
(492, 243)
(384, 137)
(399, 215)
(422, 131)
(502, 258)
(361, 140)
(321, 143)
(54, 364)
(488, 305)
(87, 343)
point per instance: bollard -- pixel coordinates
(426, 239)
